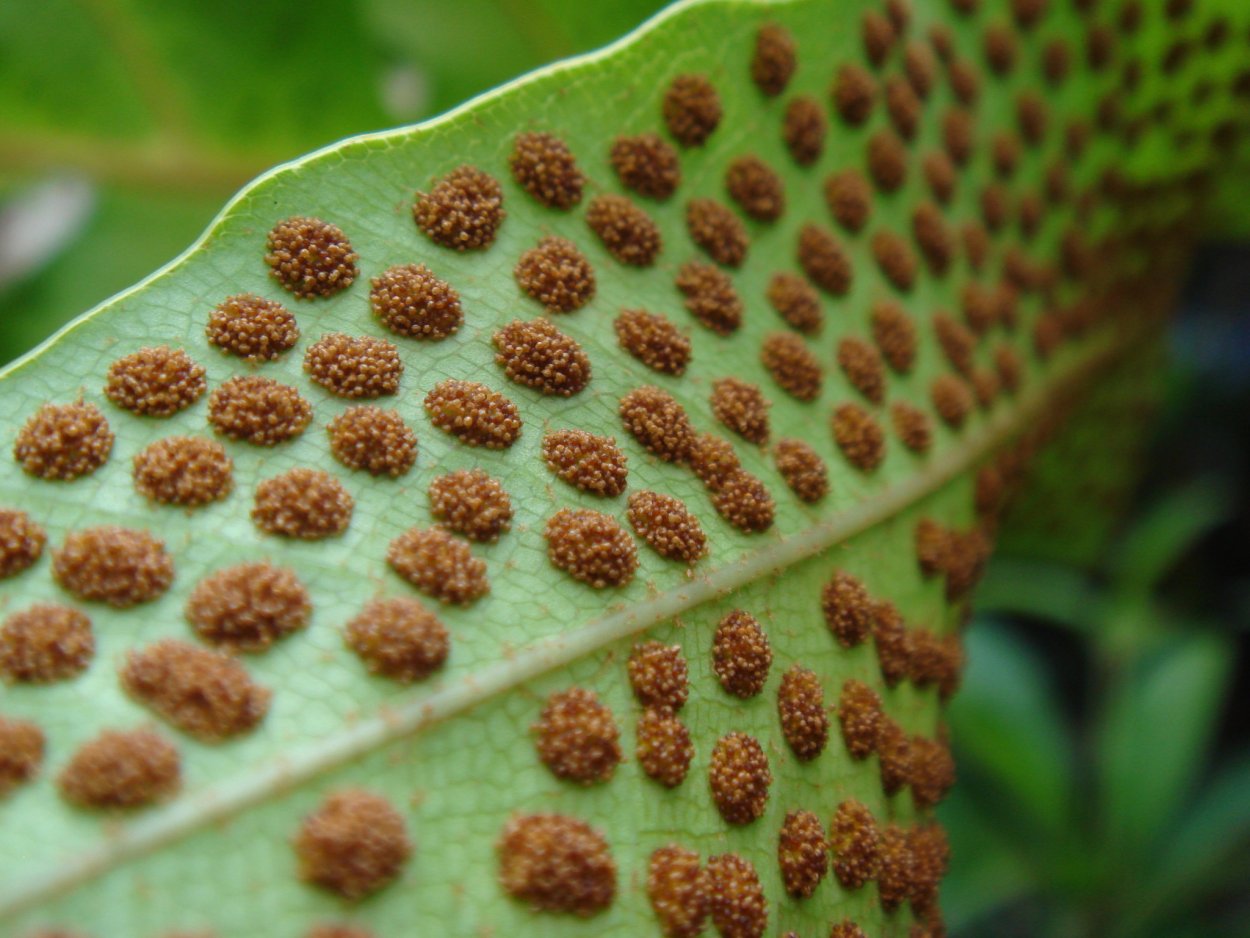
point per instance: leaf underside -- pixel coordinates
(455, 753)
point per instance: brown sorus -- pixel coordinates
(930, 854)
(801, 708)
(337, 931)
(1000, 48)
(892, 641)
(854, 94)
(398, 638)
(258, 410)
(653, 340)
(710, 296)
(646, 164)
(858, 436)
(848, 609)
(979, 306)
(251, 327)
(718, 231)
(912, 426)
(353, 844)
(376, 440)
(847, 929)
(739, 777)
(741, 654)
(933, 546)
(471, 503)
(773, 62)
(658, 422)
(556, 274)
(737, 903)
(590, 462)
(462, 211)
(354, 366)
(1009, 367)
(934, 237)
(249, 606)
(64, 441)
(859, 712)
(894, 875)
(411, 301)
(577, 737)
(995, 206)
(659, 675)
(1005, 149)
(304, 503)
(1033, 117)
(155, 382)
(957, 341)
(473, 413)
(21, 541)
(756, 188)
(310, 257)
(713, 460)
(628, 233)
(663, 746)
(1031, 211)
(895, 335)
(893, 756)
(692, 109)
(184, 470)
(958, 135)
(119, 769)
(802, 468)
(678, 890)
(849, 199)
(538, 355)
(439, 565)
(543, 165)
(903, 105)
(921, 65)
(932, 772)
(939, 173)
(887, 160)
(802, 853)
(743, 500)
(591, 546)
(742, 408)
(667, 526)
(556, 863)
(21, 753)
(796, 301)
(45, 642)
(878, 34)
(803, 130)
(895, 258)
(952, 399)
(976, 244)
(862, 365)
(824, 260)
(114, 565)
(792, 364)
(855, 844)
(207, 694)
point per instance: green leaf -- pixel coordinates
(454, 755)
(1160, 539)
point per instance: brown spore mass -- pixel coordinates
(804, 129)
(1000, 48)
(912, 426)
(934, 237)
(376, 440)
(921, 65)
(744, 501)
(337, 931)
(957, 341)
(353, 844)
(646, 164)
(310, 257)
(628, 233)
(249, 606)
(678, 890)
(887, 160)
(796, 301)
(892, 641)
(932, 772)
(895, 335)
(773, 62)
(591, 546)
(965, 81)
(859, 711)
(849, 198)
(659, 675)
(658, 422)
(862, 365)
(717, 230)
(713, 460)
(737, 903)
(543, 165)
(940, 174)
(653, 340)
(878, 34)
(354, 366)
(739, 777)
(896, 259)
(903, 105)
(952, 399)
(792, 364)
(741, 407)
(801, 709)
(741, 654)
(577, 737)
(184, 470)
(439, 565)
(556, 274)
(258, 410)
(44, 643)
(848, 609)
(848, 929)
(538, 355)
(802, 468)
(824, 260)
(398, 638)
(894, 875)
(473, 413)
(64, 441)
(710, 296)
(854, 94)
(556, 863)
(114, 565)
(207, 694)
(802, 854)
(667, 526)
(251, 327)
(664, 749)
(756, 188)
(303, 503)
(858, 436)
(21, 753)
(470, 502)
(692, 109)
(590, 462)
(155, 381)
(462, 211)
(119, 769)
(21, 542)
(411, 301)
(958, 135)
(855, 844)
(893, 756)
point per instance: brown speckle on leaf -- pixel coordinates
(64, 441)
(439, 565)
(310, 257)
(353, 844)
(462, 211)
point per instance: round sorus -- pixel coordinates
(252, 327)
(114, 565)
(739, 777)
(591, 546)
(121, 770)
(473, 413)
(411, 301)
(305, 503)
(653, 340)
(577, 737)
(375, 440)
(543, 165)
(64, 441)
(398, 639)
(258, 410)
(310, 257)
(471, 503)
(741, 654)
(45, 642)
(248, 607)
(590, 462)
(21, 542)
(556, 274)
(155, 382)
(354, 844)
(184, 470)
(439, 565)
(556, 863)
(540, 356)
(667, 526)
(462, 211)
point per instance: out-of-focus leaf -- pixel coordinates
(1050, 592)
(1166, 531)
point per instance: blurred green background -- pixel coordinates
(1102, 734)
